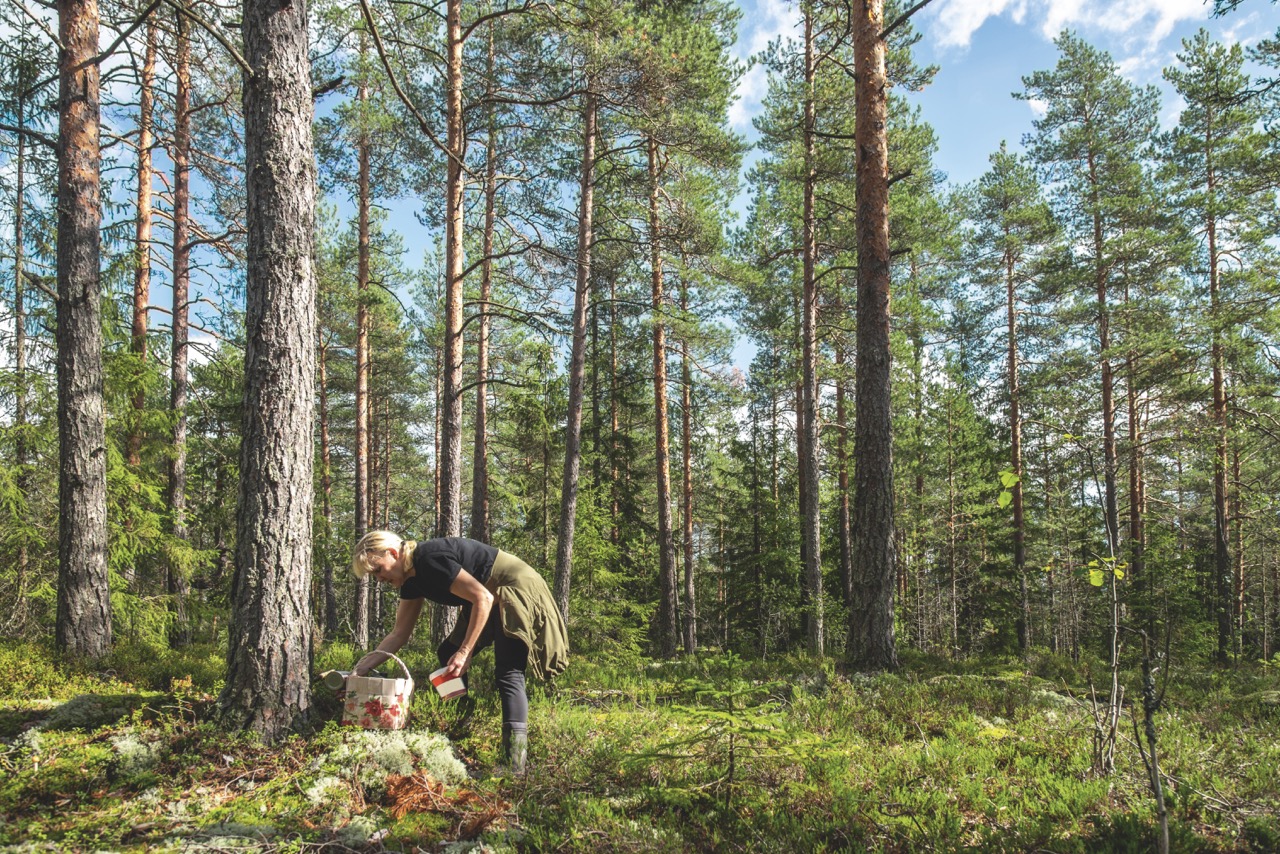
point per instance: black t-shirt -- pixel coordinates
(436, 564)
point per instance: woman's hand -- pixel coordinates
(459, 663)
(370, 661)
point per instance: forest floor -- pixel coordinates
(712, 753)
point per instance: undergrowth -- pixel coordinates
(710, 753)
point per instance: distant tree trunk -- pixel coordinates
(1137, 533)
(326, 487)
(455, 144)
(1221, 511)
(178, 584)
(842, 464)
(365, 588)
(577, 359)
(1015, 429)
(810, 509)
(871, 637)
(666, 619)
(142, 241)
(686, 448)
(613, 411)
(1237, 623)
(1110, 459)
(21, 446)
(84, 595)
(269, 660)
(480, 525)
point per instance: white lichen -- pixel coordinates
(134, 754)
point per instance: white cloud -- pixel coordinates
(955, 21)
(1038, 107)
(958, 20)
(761, 25)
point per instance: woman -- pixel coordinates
(504, 603)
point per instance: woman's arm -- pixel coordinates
(465, 586)
(406, 617)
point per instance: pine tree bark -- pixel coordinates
(810, 510)
(142, 241)
(455, 144)
(176, 580)
(84, 595)
(1110, 456)
(871, 633)
(667, 618)
(577, 359)
(269, 659)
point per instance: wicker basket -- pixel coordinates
(372, 702)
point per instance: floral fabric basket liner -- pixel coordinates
(372, 702)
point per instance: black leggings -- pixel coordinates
(510, 656)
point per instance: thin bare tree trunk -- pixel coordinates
(810, 509)
(480, 452)
(666, 619)
(178, 584)
(842, 464)
(1015, 429)
(365, 587)
(577, 359)
(455, 144)
(613, 411)
(269, 658)
(1221, 501)
(871, 632)
(21, 446)
(83, 627)
(326, 486)
(142, 242)
(686, 448)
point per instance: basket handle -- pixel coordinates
(404, 666)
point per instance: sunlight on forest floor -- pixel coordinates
(711, 753)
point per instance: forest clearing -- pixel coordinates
(830, 502)
(713, 753)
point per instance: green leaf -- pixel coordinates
(1092, 563)
(1119, 573)
(1005, 499)
(1095, 577)
(1008, 479)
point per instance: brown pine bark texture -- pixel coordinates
(269, 656)
(84, 597)
(871, 633)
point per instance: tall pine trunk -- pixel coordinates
(1015, 429)
(84, 595)
(1222, 569)
(21, 447)
(365, 587)
(142, 242)
(666, 619)
(810, 510)
(842, 464)
(577, 359)
(871, 634)
(328, 593)
(455, 145)
(269, 658)
(178, 584)
(480, 450)
(690, 624)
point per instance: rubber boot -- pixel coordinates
(515, 748)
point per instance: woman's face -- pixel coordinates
(385, 568)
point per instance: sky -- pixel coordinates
(983, 48)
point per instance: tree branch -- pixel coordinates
(34, 136)
(222, 40)
(902, 19)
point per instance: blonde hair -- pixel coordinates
(376, 544)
